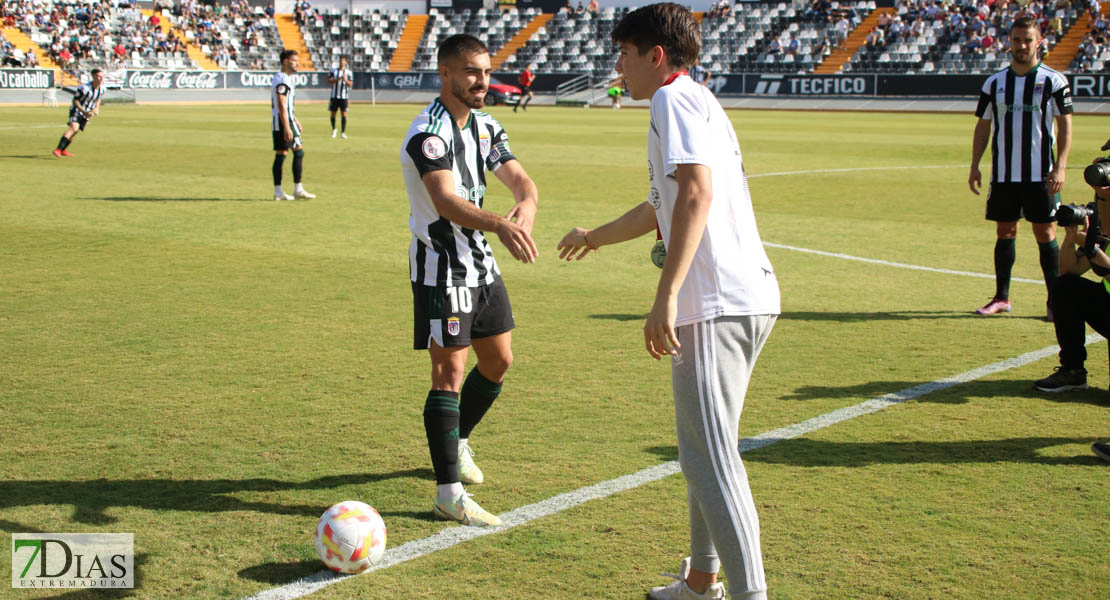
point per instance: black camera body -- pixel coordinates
(1097, 174)
(1069, 215)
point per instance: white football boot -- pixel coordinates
(680, 590)
(466, 511)
(468, 471)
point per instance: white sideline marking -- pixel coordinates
(525, 514)
(896, 264)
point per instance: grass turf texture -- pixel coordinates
(191, 362)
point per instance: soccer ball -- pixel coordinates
(350, 537)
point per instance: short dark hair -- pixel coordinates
(459, 44)
(95, 72)
(287, 53)
(665, 24)
(1026, 23)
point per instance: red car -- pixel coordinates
(501, 93)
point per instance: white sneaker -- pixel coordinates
(333, 132)
(679, 590)
(466, 511)
(304, 194)
(468, 471)
(282, 196)
(343, 135)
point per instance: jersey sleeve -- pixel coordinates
(499, 152)
(986, 96)
(1062, 96)
(680, 122)
(282, 89)
(429, 152)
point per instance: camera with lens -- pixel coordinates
(1097, 174)
(1069, 215)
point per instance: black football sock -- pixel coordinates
(441, 425)
(526, 101)
(279, 160)
(333, 121)
(478, 394)
(1050, 262)
(298, 164)
(344, 124)
(1004, 256)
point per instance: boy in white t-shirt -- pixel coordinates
(717, 298)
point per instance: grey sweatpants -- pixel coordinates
(710, 378)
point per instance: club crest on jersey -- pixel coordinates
(452, 326)
(483, 142)
(433, 148)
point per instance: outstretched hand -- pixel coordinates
(518, 241)
(574, 245)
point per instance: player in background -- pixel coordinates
(287, 129)
(717, 297)
(525, 80)
(1021, 103)
(615, 91)
(700, 74)
(341, 80)
(86, 105)
(459, 300)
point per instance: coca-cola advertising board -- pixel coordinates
(176, 80)
(216, 80)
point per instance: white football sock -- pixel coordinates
(278, 191)
(298, 189)
(447, 492)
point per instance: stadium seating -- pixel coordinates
(573, 43)
(916, 36)
(494, 26)
(744, 40)
(374, 37)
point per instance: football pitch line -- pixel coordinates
(453, 536)
(888, 263)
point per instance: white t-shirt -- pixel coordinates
(730, 274)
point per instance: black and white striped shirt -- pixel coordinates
(442, 252)
(1023, 109)
(283, 84)
(340, 90)
(87, 96)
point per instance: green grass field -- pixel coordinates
(183, 359)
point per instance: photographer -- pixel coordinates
(1077, 300)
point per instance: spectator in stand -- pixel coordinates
(973, 45)
(32, 61)
(841, 28)
(988, 42)
(592, 7)
(775, 48)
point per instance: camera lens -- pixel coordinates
(1097, 174)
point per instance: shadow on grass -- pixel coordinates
(283, 572)
(29, 156)
(815, 453)
(894, 315)
(1022, 388)
(170, 199)
(804, 452)
(620, 317)
(91, 498)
